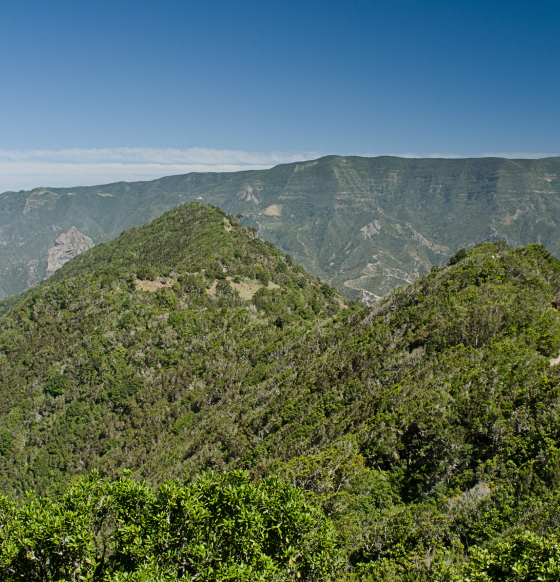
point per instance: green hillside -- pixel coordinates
(165, 305)
(425, 428)
(364, 225)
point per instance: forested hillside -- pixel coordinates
(423, 431)
(364, 225)
(177, 310)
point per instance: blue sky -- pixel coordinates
(99, 90)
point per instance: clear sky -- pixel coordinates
(97, 88)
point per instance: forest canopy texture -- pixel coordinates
(186, 402)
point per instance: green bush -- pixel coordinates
(263, 276)
(458, 256)
(223, 527)
(145, 273)
(55, 385)
(523, 556)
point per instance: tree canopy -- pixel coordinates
(424, 429)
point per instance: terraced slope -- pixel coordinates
(364, 225)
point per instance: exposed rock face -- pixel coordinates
(368, 298)
(424, 241)
(67, 246)
(370, 229)
(246, 193)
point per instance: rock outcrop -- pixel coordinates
(370, 229)
(67, 246)
(246, 193)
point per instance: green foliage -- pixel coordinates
(221, 527)
(193, 284)
(522, 557)
(263, 276)
(7, 442)
(425, 427)
(55, 385)
(123, 388)
(145, 273)
(458, 256)
(128, 354)
(182, 422)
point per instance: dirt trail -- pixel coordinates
(555, 361)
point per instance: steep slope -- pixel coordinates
(365, 225)
(166, 305)
(422, 426)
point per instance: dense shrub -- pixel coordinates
(221, 527)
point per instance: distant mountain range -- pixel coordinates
(364, 225)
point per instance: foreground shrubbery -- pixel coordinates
(227, 527)
(223, 527)
(426, 429)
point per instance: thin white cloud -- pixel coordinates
(24, 170)
(519, 155)
(201, 156)
(430, 155)
(508, 155)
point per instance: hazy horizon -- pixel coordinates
(72, 168)
(105, 91)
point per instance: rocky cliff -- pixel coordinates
(66, 247)
(364, 225)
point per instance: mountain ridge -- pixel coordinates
(323, 212)
(425, 427)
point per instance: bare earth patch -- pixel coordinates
(273, 210)
(153, 285)
(246, 288)
(212, 289)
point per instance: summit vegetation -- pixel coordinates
(187, 403)
(364, 225)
